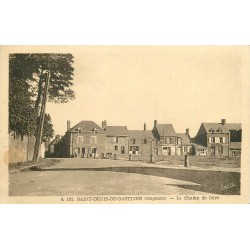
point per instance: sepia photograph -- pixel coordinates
(129, 124)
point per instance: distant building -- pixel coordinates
(86, 139)
(140, 142)
(184, 143)
(116, 140)
(216, 137)
(165, 134)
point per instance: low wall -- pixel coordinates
(22, 149)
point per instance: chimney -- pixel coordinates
(145, 127)
(155, 123)
(223, 121)
(104, 124)
(187, 131)
(68, 125)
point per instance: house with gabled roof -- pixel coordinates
(184, 143)
(116, 140)
(140, 142)
(216, 137)
(85, 139)
(166, 135)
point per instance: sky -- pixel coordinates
(133, 85)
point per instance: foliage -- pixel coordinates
(235, 135)
(27, 74)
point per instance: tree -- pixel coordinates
(235, 135)
(27, 74)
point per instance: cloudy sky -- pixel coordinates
(132, 85)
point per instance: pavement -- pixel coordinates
(73, 177)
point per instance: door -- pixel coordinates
(122, 150)
(212, 151)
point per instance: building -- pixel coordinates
(216, 137)
(184, 143)
(167, 138)
(116, 140)
(140, 142)
(86, 139)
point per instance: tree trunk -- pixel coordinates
(39, 94)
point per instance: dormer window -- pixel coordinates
(79, 129)
(219, 130)
(211, 130)
(133, 140)
(144, 140)
(95, 130)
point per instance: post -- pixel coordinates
(129, 157)
(41, 120)
(186, 164)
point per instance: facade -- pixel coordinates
(216, 137)
(116, 140)
(140, 142)
(167, 138)
(184, 143)
(87, 139)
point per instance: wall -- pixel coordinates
(18, 148)
(217, 145)
(110, 144)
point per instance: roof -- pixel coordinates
(233, 126)
(116, 131)
(235, 145)
(185, 138)
(87, 127)
(165, 130)
(217, 127)
(197, 145)
(140, 134)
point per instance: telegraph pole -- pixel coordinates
(41, 119)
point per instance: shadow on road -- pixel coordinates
(216, 182)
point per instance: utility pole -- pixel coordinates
(41, 119)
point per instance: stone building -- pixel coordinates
(167, 138)
(216, 137)
(116, 140)
(86, 139)
(184, 143)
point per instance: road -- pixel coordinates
(74, 177)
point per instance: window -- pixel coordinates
(79, 129)
(167, 140)
(133, 140)
(116, 147)
(95, 130)
(122, 150)
(134, 150)
(79, 139)
(202, 150)
(93, 139)
(116, 139)
(211, 130)
(144, 140)
(184, 149)
(220, 150)
(211, 139)
(179, 141)
(217, 139)
(222, 140)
